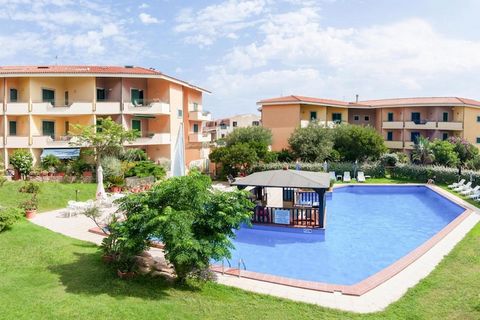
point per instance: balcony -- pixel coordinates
(200, 116)
(409, 145)
(151, 139)
(17, 108)
(427, 125)
(199, 137)
(107, 107)
(75, 108)
(450, 126)
(195, 107)
(49, 142)
(17, 142)
(392, 125)
(322, 123)
(394, 144)
(146, 107)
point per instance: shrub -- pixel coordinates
(375, 169)
(112, 167)
(30, 204)
(134, 155)
(440, 174)
(29, 188)
(78, 166)
(358, 142)
(389, 159)
(444, 153)
(8, 216)
(313, 143)
(50, 161)
(22, 161)
(144, 169)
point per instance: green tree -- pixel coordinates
(422, 151)
(358, 143)
(107, 138)
(259, 135)
(444, 153)
(312, 143)
(194, 223)
(22, 161)
(466, 151)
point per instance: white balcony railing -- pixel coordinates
(450, 126)
(194, 107)
(409, 145)
(73, 108)
(48, 141)
(151, 139)
(17, 108)
(200, 116)
(392, 125)
(199, 137)
(107, 107)
(17, 142)
(149, 108)
(428, 125)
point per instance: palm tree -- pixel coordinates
(422, 152)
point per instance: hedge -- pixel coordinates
(375, 170)
(438, 173)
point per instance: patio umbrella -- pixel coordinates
(101, 194)
(325, 166)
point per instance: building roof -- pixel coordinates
(61, 70)
(286, 179)
(301, 99)
(420, 101)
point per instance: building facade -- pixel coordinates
(399, 121)
(41, 103)
(219, 128)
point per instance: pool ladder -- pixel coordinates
(241, 263)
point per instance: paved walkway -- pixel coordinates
(375, 300)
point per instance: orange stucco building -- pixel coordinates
(399, 121)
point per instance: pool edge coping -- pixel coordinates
(379, 277)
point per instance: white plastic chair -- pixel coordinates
(463, 187)
(470, 190)
(456, 184)
(346, 176)
(361, 176)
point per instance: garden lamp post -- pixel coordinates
(355, 169)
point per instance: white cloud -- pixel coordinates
(205, 26)
(144, 6)
(147, 19)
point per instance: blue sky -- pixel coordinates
(244, 51)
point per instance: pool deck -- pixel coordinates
(371, 295)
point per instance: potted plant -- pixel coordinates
(126, 266)
(30, 206)
(61, 169)
(116, 183)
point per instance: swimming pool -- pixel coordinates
(368, 228)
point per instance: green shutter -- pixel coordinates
(136, 125)
(13, 95)
(48, 128)
(48, 96)
(12, 128)
(195, 127)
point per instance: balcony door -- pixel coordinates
(445, 117)
(12, 128)
(48, 129)
(101, 94)
(137, 97)
(195, 128)
(48, 96)
(416, 117)
(137, 125)
(414, 136)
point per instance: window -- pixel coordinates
(255, 123)
(234, 124)
(12, 128)
(356, 118)
(137, 97)
(414, 136)
(195, 128)
(99, 123)
(101, 94)
(180, 113)
(66, 98)
(48, 96)
(478, 118)
(67, 127)
(48, 128)
(313, 115)
(13, 95)
(390, 116)
(195, 106)
(223, 126)
(137, 125)
(288, 194)
(223, 135)
(444, 136)
(390, 136)
(367, 118)
(337, 117)
(478, 140)
(445, 117)
(416, 117)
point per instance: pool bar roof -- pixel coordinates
(285, 179)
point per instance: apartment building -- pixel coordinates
(399, 121)
(41, 103)
(219, 128)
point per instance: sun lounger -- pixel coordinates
(332, 175)
(346, 176)
(463, 187)
(456, 184)
(361, 176)
(475, 195)
(470, 190)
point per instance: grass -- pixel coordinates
(45, 275)
(53, 195)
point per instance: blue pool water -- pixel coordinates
(368, 228)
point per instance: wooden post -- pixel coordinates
(321, 206)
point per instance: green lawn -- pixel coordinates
(44, 275)
(52, 195)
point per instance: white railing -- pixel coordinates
(17, 108)
(107, 107)
(199, 137)
(17, 142)
(152, 139)
(149, 108)
(72, 108)
(200, 116)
